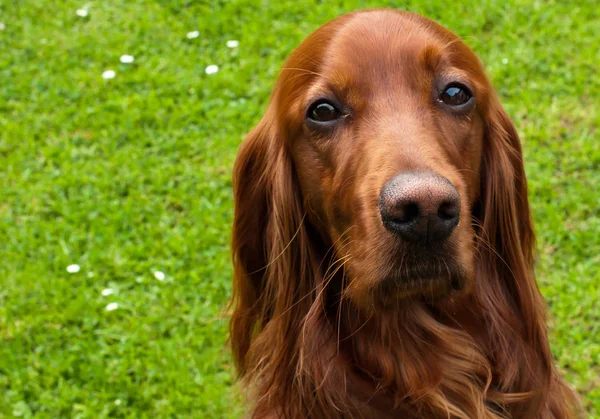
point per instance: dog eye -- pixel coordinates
(323, 111)
(455, 95)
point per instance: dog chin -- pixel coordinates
(432, 288)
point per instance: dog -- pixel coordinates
(382, 238)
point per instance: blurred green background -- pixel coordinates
(129, 177)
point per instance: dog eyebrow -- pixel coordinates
(339, 85)
(431, 56)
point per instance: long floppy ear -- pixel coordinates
(506, 285)
(272, 254)
(506, 218)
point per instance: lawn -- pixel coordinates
(129, 177)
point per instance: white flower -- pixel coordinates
(2, 26)
(127, 59)
(233, 43)
(118, 402)
(73, 269)
(211, 69)
(505, 61)
(112, 306)
(159, 275)
(193, 34)
(109, 74)
(81, 12)
(107, 291)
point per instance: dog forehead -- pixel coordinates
(380, 53)
(381, 42)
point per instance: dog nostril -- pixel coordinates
(407, 213)
(448, 210)
(419, 207)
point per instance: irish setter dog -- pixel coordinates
(382, 241)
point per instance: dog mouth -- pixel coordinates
(435, 278)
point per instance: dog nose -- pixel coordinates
(420, 207)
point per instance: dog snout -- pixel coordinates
(421, 208)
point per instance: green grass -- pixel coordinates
(132, 175)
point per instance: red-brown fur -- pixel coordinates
(314, 332)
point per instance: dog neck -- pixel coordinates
(413, 358)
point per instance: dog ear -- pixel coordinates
(505, 215)
(506, 283)
(251, 187)
(274, 265)
(507, 235)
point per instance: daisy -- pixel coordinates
(127, 59)
(112, 306)
(73, 269)
(108, 74)
(211, 69)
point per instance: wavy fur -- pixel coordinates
(307, 351)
